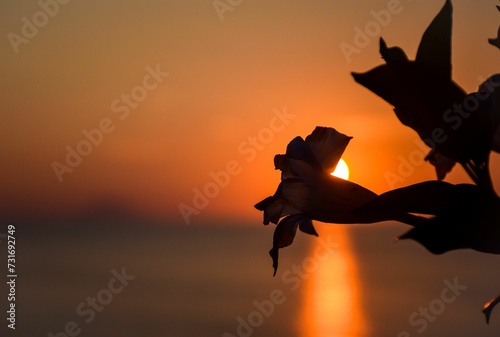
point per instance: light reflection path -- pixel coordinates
(331, 296)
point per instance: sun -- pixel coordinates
(342, 170)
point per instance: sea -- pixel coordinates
(141, 279)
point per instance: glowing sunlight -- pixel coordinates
(342, 170)
(332, 306)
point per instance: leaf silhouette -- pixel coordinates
(429, 197)
(472, 226)
(461, 216)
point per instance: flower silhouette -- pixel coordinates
(457, 126)
(489, 92)
(308, 192)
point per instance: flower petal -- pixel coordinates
(283, 236)
(285, 233)
(289, 198)
(393, 54)
(306, 226)
(395, 84)
(442, 163)
(435, 47)
(495, 41)
(281, 163)
(491, 89)
(419, 95)
(297, 149)
(327, 146)
(272, 208)
(323, 197)
(300, 150)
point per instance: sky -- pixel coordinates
(113, 108)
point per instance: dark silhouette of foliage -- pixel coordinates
(458, 127)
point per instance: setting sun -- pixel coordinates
(342, 170)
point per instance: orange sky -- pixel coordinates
(226, 80)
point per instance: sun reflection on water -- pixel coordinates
(331, 297)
